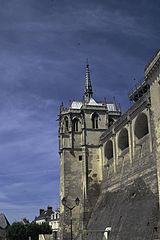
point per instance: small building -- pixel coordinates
(25, 221)
(3, 226)
(50, 216)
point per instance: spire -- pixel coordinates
(88, 85)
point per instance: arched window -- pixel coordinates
(109, 150)
(141, 126)
(123, 142)
(75, 124)
(95, 120)
(66, 124)
(110, 122)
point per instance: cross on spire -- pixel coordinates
(88, 85)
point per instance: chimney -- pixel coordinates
(41, 211)
(49, 211)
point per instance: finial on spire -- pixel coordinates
(88, 85)
(61, 107)
(87, 62)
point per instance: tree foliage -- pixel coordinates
(19, 231)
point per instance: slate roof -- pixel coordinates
(76, 105)
(111, 107)
(3, 221)
(46, 215)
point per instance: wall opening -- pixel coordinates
(141, 126)
(110, 121)
(123, 141)
(95, 120)
(109, 150)
(75, 124)
(107, 232)
(66, 124)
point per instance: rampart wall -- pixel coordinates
(128, 202)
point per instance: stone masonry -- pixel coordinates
(112, 163)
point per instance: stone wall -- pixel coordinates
(71, 187)
(80, 165)
(152, 75)
(128, 200)
(114, 172)
(131, 212)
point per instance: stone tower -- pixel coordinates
(81, 165)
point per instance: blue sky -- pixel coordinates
(43, 48)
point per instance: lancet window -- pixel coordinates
(75, 124)
(95, 117)
(66, 124)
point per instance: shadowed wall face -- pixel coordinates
(131, 213)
